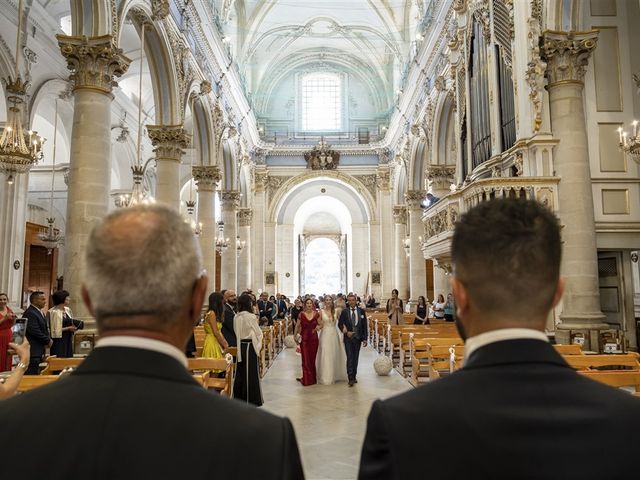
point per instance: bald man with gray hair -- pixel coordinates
(132, 405)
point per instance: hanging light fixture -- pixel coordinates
(630, 144)
(20, 148)
(51, 237)
(239, 245)
(221, 243)
(138, 194)
(406, 243)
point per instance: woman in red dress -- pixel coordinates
(6, 322)
(307, 327)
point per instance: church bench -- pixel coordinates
(266, 354)
(394, 340)
(444, 359)
(56, 364)
(619, 378)
(212, 381)
(379, 338)
(421, 354)
(573, 349)
(199, 336)
(594, 362)
(418, 331)
(29, 382)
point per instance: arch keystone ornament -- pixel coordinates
(93, 61)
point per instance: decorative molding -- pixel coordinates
(414, 198)
(370, 182)
(443, 221)
(536, 68)
(273, 183)
(169, 141)
(245, 217)
(400, 214)
(440, 177)
(322, 157)
(567, 55)
(94, 62)
(260, 179)
(383, 179)
(160, 9)
(230, 199)
(206, 177)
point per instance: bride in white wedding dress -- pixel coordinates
(331, 360)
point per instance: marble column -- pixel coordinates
(259, 207)
(207, 179)
(401, 270)
(13, 218)
(441, 283)
(440, 178)
(95, 62)
(245, 216)
(417, 270)
(169, 142)
(230, 200)
(567, 55)
(385, 213)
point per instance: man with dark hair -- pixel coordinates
(516, 409)
(266, 309)
(229, 312)
(133, 402)
(37, 331)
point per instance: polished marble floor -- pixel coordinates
(329, 420)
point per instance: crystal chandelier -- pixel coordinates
(630, 144)
(20, 148)
(51, 237)
(239, 245)
(221, 243)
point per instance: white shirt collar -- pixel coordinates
(474, 343)
(144, 343)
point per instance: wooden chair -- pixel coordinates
(572, 349)
(619, 378)
(612, 362)
(29, 382)
(209, 380)
(55, 364)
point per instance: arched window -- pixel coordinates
(321, 102)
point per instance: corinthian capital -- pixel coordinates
(400, 214)
(567, 54)
(94, 62)
(245, 215)
(414, 198)
(440, 176)
(206, 177)
(230, 199)
(169, 141)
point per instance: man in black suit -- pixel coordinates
(228, 314)
(37, 331)
(266, 309)
(516, 410)
(353, 324)
(133, 405)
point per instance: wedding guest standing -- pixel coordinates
(61, 325)
(214, 341)
(37, 331)
(7, 318)
(422, 312)
(448, 308)
(394, 308)
(307, 327)
(438, 307)
(246, 386)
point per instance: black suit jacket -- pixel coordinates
(515, 411)
(361, 328)
(227, 330)
(37, 331)
(139, 414)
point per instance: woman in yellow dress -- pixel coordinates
(214, 342)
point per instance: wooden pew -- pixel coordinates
(394, 338)
(199, 335)
(445, 358)
(594, 362)
(55, 364)
(29, 382)
(616, 378)
(572, 349)
(423, 331)
(421, 354)
(206, 367)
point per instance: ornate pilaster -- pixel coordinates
(230, 201)
(440, 178)
(260, 179)
(245, 259)
(400, 214)
(169, 142)
(94, 62)
(414, 198)
(245, 217)
(401, 267)
(417, 270)
(207, 177)
(567, 55)
(159, 9)
(383, 178)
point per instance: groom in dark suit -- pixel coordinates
(353, 324)
(516, 410)
(37, 331)
(133, 403)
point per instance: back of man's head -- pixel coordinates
(507, 254)
(141, 261)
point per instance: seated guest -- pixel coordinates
(516, 410)
(246, 386)
(132, 402)
(61, 325)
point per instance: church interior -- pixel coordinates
(325, 147)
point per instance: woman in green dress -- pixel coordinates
(214, 342)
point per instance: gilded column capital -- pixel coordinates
(206, 177)
(400, 214)
(440, 176)
(169, 141)
(245, 216)
(230, 199)
(567, 55)
(414, 198)
(94, 62)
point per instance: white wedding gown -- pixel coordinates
(331, 360)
